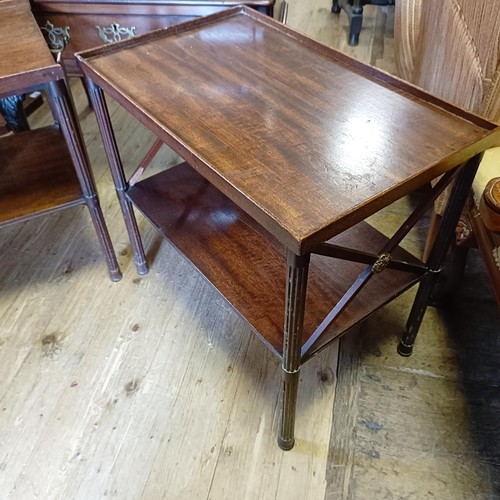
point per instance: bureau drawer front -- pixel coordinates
(88, 31)
(90, 23)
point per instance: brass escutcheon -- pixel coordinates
(116, 32)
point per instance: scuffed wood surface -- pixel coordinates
(433, 416)
(148, 388)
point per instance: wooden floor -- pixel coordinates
(153, 388)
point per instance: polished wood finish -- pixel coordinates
(262, 132)
(46, 169)
(248, 265)
(32, 183)
(84, 18)
(25, 59)
(287, 153)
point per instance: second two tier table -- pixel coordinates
(45, 169)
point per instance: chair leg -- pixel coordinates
(356, 22)
(354, 11)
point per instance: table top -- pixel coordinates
(304, 139)
(26, 60)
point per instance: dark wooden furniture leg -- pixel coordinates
(355, 22)
(295, 299)
(354, 11)
(99, 105)
(59, 100)
(461, 190)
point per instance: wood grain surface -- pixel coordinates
(292, 118)
(25, 59)
(32, 182)
(248, 266)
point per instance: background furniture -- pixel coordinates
(301, 272)
(75, 25)
(87, 24)
(452, 49)
(45, 169)
(354, 11)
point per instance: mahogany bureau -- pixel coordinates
(84, 24)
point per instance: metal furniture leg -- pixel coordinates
(60, 103)
(99, 105)
(461, 190)
(296, 285)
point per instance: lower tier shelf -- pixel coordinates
(247, 265)
(36, 175)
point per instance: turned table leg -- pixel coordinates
(104, 122)
(64, 114)
(296, 285)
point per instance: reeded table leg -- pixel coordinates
(103, 120)
(296, 285)
(460, 192)
(64, 114)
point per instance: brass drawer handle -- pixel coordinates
(57, 38)
(115, 31)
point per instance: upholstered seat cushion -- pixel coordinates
(489, 170)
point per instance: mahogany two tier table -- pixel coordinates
(44, 169)
(288, 147)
